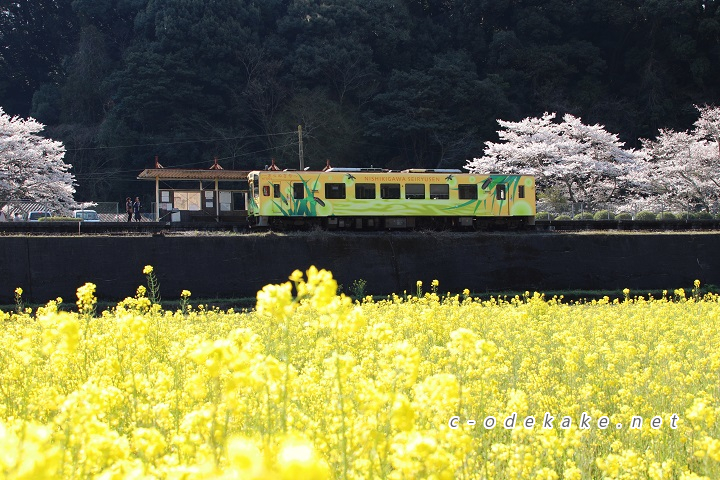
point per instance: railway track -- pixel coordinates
(145, 228)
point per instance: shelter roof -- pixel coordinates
(192, 174)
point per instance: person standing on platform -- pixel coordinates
(129, 208)
(136, 209)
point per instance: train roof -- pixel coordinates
(383, 171)
(370, 170)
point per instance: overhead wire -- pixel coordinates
(114, 173)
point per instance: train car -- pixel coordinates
(356, 198)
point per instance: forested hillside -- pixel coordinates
(394, 83)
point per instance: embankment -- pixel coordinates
(229, 266)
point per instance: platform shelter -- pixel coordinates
(212, 194)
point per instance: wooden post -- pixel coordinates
(157, 198)
(217, 200)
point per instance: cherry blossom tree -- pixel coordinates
(682, 166)
(708, 125)
(31, 166)
(585, 162)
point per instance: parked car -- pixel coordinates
(35, 216)
(86, 215)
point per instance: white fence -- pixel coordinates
(17, 210)
(609, 211)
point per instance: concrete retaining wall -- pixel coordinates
(238, 266)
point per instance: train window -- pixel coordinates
(266, 191)
(389, 190)
(255, 185)
(334, 190)
(298, 191)
(414, 190)
(467, 192)
(276, 190)
(365, 191)
(521, 191)
(500, 191)
(439, 191)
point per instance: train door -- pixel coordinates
(285, 196)
(254, 195)
(279, 198)
(501, 196)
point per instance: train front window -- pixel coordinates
(467, 192)
(415, 191)
(255, 185)
(390, 190)
(365, 191)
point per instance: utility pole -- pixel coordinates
(300, 148)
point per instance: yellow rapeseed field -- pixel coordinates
(311, 385)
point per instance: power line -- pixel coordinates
(89, 175)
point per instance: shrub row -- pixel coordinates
(641, 216)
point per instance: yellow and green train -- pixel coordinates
(355, 198)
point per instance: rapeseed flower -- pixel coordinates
(312, 385)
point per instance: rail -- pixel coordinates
(147, 227)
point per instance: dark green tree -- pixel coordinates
(438, 117)
(35, 35)
(331, 131)
(413, 82)
(264, 93)
(325, 49)
(183, 80)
